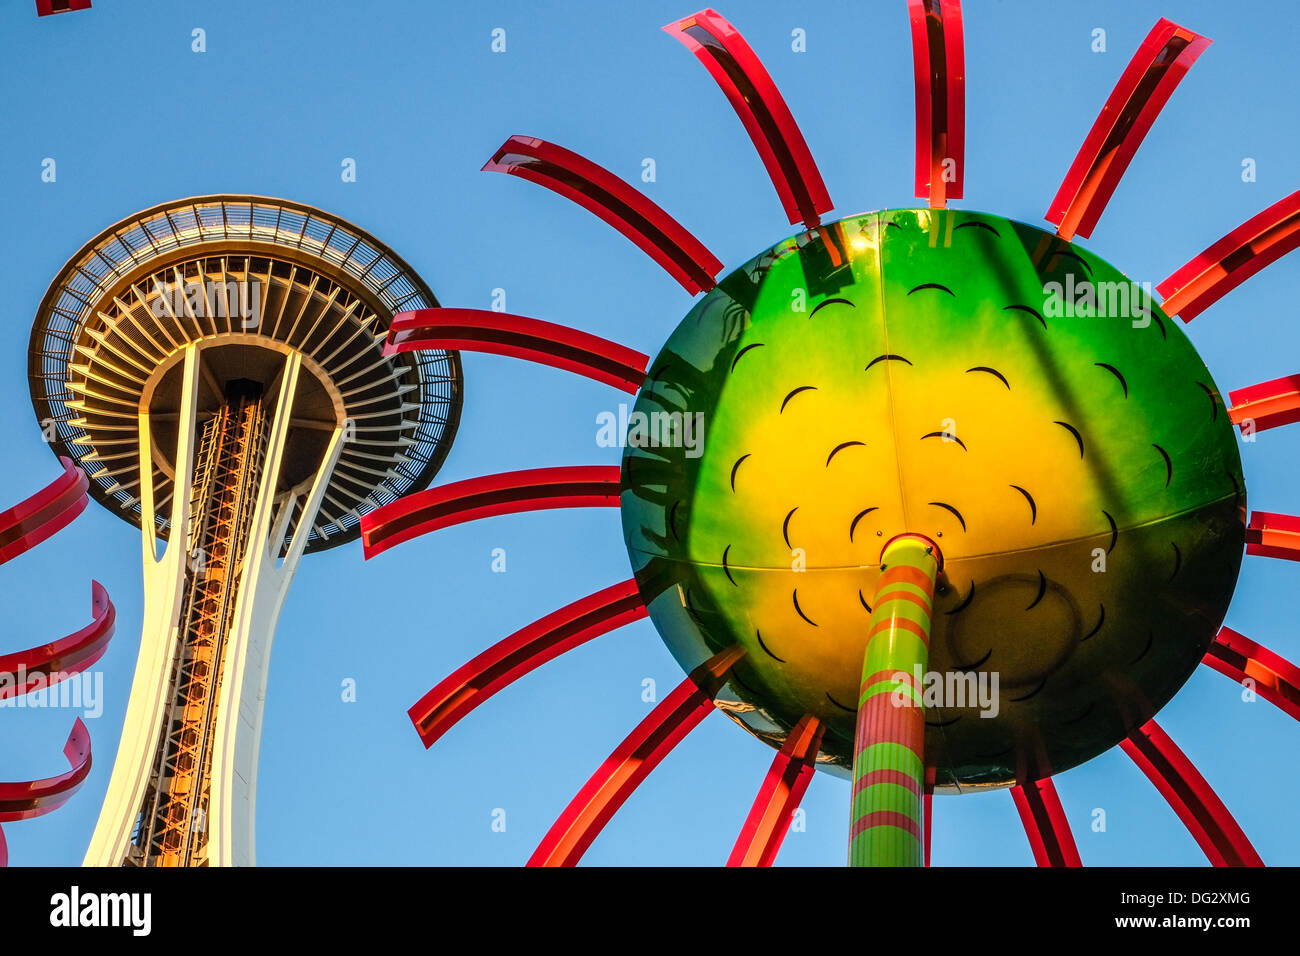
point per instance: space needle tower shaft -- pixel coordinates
(216, 366)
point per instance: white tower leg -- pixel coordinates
(263, 583)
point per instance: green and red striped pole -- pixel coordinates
(888, 826)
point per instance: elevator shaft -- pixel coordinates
(171, 829)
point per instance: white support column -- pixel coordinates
(263, 584)
(164, 579)
(263, 587)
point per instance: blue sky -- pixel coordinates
(415, 95)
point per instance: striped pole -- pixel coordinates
(888, 754)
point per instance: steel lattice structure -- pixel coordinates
(329, 291)
(214, 370)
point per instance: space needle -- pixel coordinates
(215, 366)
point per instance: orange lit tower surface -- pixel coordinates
(216, 368)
